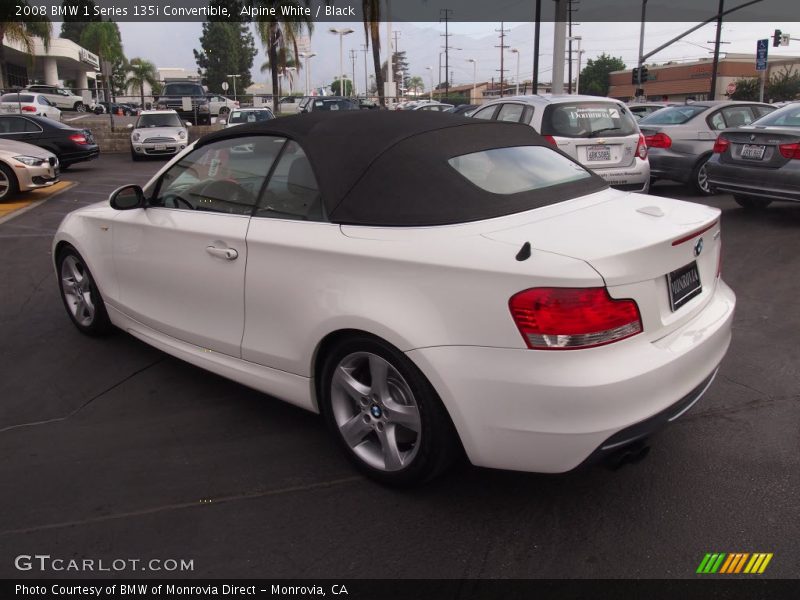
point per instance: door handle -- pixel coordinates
(226, 253)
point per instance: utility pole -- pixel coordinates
(364, 49)
(502, 47)
(570, 10)
(537, 20)
(353, 55)
(559, 46)
(396, 47)
(444, 16)
(716, 51)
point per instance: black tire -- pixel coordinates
(223, 113)
(135, 157)
(10, 187)
(79, 107)
(699, 178)
(438, 441)
(99, 324)
(752, 203)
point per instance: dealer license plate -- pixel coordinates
(683, 285)
(160, 146)
(753, 151)
(598, 153)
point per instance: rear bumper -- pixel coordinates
(774, 184)
(633, 178)
(667, 164)
(73, 157)
(548, 411)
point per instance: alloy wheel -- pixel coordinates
(78, 290)
(702, 179)
(5, 185)
(375, 411)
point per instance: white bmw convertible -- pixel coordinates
(429, 284)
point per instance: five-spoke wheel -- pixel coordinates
(80, 294)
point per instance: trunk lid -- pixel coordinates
(758, 146)
(600, 152)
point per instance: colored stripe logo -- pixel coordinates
(734, 563)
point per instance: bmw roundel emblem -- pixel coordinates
(698, 247)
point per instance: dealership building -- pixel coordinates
(63, 61)
(676, 82)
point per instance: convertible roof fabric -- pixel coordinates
(388, 168)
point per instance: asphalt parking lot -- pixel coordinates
(115, 450)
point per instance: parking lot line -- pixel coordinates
(31, 200)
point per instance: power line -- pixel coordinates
(446, 19)
(502, 31)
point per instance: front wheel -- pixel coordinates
(9, 187)
(700, 178)
(80, 295)
(751, 203)
(385, 414)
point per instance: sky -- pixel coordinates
(171, 44)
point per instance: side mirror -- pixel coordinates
(127, 197)
(129, 126)
(188, 123)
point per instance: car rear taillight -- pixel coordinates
(721, 145)
(790, 150)
(29, 109)
(550, 139)
(658, 140)
(78, 138)
(641, 147)
(573, 318)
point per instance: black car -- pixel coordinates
(463, 109)
(113, 107)
(331, 103)
(69, 144)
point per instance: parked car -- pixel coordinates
(680, 139)
(240, 116)
(434, 107)
(760, 162)
(368, 104)
(465, 110)
(220, 106)
(600, 133)
(642, 109)
(428, 284)
(70, 144)
(25, 167)
(61, 98)
(290, 105)
(24, 104)
(114, 107)
(157, 133)
(327, 103)
(172, 95)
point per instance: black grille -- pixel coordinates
(52, 161)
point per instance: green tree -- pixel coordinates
(784, 85)
(417, 84)
(336, 86)
(594, 76)
(371, 11)
(279, 34)
(102, 38)
(747, 88)
(399, 63)
(73, 26)
(141, 72)
(14, 29)
(227, 48)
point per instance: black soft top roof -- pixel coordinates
(390, 168)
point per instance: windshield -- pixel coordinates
(788, 116)
(14, 98)
(588, 119)
(673, 115)
(162, 120)
(517, 169)
(183, 89)
(250, 116)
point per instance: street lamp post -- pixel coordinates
(430, 69)
(341, 33)
(307, 56)
(234, 77)
(474, 79)
(515, 51)
(577, 38)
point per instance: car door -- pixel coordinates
(20, 129)
(180, 262)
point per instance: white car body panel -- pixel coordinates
(39, 109)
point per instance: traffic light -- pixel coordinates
(644, 73)
(776, 38)
(635, 75)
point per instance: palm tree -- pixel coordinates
(285, 61)
(416, 83)
(142, 71)
(372, 18)
(22, 32)
(279, 38)
(102, 38)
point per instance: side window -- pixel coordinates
(485, 113)
(737, 116)
(12, 125)
(29, 126)
(222, 177)
(527, 116)
(762, 110)
(42, 100)
(292, 191)
(716, 121)
(510, 112)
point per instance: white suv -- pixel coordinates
(158, 133)
(59, 97)
(600, 133)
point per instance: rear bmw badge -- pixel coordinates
(698, 247)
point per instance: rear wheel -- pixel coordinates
(80, 107)
(752, 203)
(700, 178)
(8, 183)
(385, 414)
(80, 295)
(223, 113)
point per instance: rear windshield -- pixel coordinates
(334, 105)
(517, 169)
(165, 120)
(588, 119)
(673, 115)
(183, 89)
(788, 116)
(250, 116)
(13, 98)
